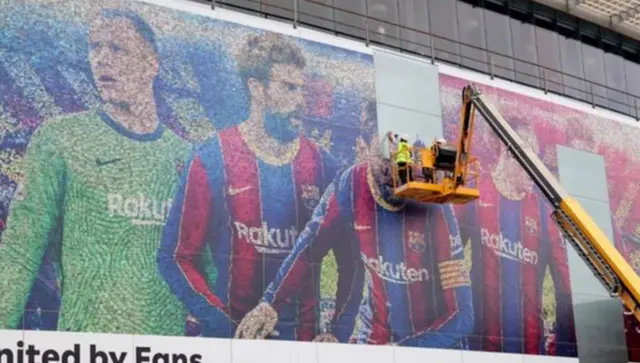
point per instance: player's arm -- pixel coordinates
(311, 247)
(456, 319)
(338, 236)
(295, 271)
(327, 229)
(346, 249)
(324, 231)
(183, 246)
(564, 328)
(35, 215)
(349, 289)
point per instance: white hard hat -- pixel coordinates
(441, 141)
(405, 137)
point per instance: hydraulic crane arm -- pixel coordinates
(578, 227)
(467, 122)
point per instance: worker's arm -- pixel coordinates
(391, 138)
(35, 215)
(183, 245)
(456, 318)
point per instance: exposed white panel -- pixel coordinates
(407, 82)
(583, 174)
(403, 121)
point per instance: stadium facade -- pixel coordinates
(171, 170)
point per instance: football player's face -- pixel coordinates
(283, 95)
(486, 145)
(513, 173)
(122, 62)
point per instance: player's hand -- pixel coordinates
(550, 344)
(258, 323)
(193, 328)
(326, 338)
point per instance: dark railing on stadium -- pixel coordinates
(548, 79)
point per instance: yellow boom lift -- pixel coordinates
(579, 229)
(449, 172)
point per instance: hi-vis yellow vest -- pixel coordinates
(403, 155)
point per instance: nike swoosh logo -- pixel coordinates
(106, 162)
(358, 227)
(236, 191)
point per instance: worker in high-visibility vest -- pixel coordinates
(404, 160)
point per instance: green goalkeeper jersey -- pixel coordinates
(102, 195)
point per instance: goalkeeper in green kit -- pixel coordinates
(99, 184)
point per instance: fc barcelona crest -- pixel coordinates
(417, 242)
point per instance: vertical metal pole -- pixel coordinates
(491, 73)
(295, 14)
(593, 97)
(399, 26)
(366, 22)
(544, 80)
(333, 17)
(433, 52)
(213, 4)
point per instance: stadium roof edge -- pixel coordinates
(606, 13)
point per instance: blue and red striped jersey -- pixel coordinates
(248, 209)
(624, 198)
(513, 242)
(410, 256)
